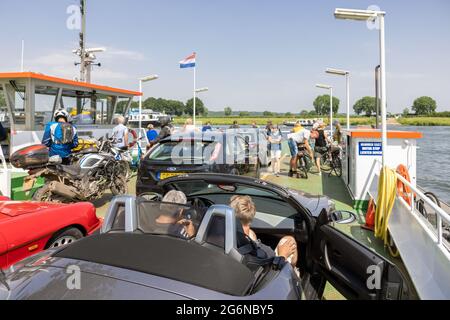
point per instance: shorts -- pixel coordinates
(319, 151)
(292, 147)
(275, 154)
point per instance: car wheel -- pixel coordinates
(64, 237)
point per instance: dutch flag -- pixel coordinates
(188, 62)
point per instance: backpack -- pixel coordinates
(63, 133)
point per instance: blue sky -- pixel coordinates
(252, 54)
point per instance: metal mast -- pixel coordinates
(82, 41)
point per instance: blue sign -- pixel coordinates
(370, 149)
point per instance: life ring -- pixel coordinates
(403, 190)
(135, 137)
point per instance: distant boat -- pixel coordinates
(303, 122)
(148, 116)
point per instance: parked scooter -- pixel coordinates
(85, 180)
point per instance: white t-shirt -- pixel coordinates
(119, 135)
(300, 136)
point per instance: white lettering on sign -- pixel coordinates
(370, 149)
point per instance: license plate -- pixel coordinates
(166, 175)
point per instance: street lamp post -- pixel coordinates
(328, 87)
(347, 83)
(141, 80)
(195, 92)
(367, 15)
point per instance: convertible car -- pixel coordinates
(135, 257)
(27, 228)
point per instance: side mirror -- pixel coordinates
(336, 216)
(343, 217)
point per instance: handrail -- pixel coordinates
(440, 213)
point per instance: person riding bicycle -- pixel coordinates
(166, 131)
(320, 145)
(300, 144)
(60, 136)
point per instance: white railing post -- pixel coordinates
(440, 213)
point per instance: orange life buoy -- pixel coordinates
(135, 137)
(403, 190)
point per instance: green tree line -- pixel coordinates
(173, 107)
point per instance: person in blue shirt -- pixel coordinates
(60, 136)
(207, 127)
(151, 133)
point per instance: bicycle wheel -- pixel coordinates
(325, 163)
(303, 171)
(337, 167)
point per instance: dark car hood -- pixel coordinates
(313, 203)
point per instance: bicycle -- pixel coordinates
(304, 164)
(331, 161)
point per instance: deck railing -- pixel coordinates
(441, 215)
(423, 249)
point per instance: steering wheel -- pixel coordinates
(151, 196)
(201, 204)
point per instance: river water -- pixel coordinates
(433, 159)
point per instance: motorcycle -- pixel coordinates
(85, 180)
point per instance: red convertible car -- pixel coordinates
(30, 227)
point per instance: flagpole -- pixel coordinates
(195, 67)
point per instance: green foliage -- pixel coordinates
(174, 107)
(365, 105)
(322, 104)
(424, 106)
(199, 107)
(424, 121)
(304, 113)
(405, 112)
(267, 114)
(244, 114)
(2, 100)
(288, 114)
(228, 111)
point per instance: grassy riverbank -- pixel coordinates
(425, 121)
(354, 121)
(263, 120)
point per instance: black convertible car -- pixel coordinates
(134, 258)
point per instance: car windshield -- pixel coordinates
(184, 151)
(175, 220)
(199, 188)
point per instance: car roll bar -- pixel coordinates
(130, 213)
(230, 228)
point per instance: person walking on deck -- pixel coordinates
(275, 149)
(320, 145)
